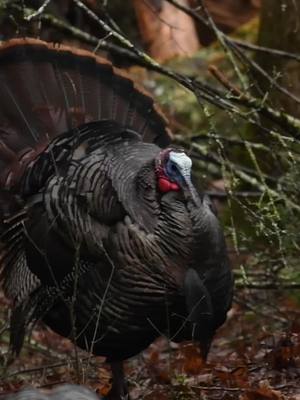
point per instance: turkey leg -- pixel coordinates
(119, 390)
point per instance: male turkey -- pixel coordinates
(103, 235)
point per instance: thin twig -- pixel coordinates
(244, 58)
(267, 50)
(242, 194)
(268, 286)
(38, 12)
(42, 368)
(222, 388)
(122, 39)
(224, 81)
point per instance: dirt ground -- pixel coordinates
(255, 356)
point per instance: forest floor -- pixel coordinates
(255, 356)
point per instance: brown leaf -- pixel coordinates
(263, 392)
(238, 377)
(192, 361)
(157, 394)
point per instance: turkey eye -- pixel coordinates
(174, 168)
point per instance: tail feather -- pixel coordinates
(15, 277)
(46, 90)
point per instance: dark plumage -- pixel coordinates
(103, 235)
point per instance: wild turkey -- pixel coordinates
(103, 235)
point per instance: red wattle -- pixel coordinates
(165, 185)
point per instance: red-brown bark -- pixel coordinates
(166, 31)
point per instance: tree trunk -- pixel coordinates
(228, 15)
(166, 31)
(280, 29)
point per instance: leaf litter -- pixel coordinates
(250, 359)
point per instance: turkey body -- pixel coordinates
(130, 264)
(93, 242)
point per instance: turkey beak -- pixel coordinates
(189, 191)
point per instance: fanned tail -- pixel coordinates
(46, 90)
